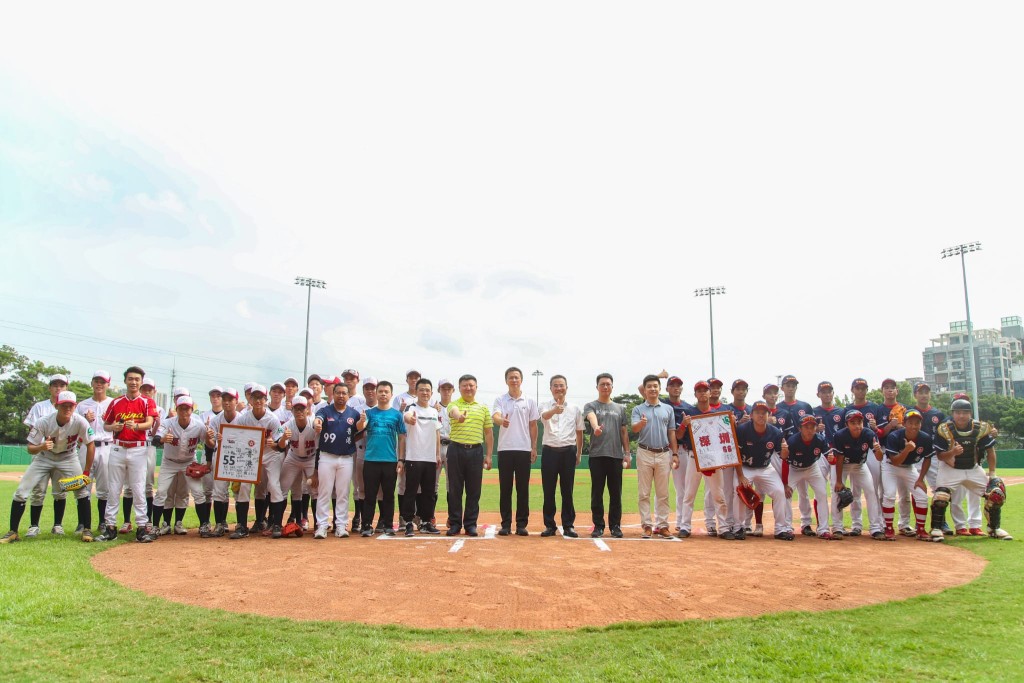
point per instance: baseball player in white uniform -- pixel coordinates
(148, 389)
(298, 439)
(92, 409)
(176, 499)
(259, 416)
(39, 410)
(181, 437)
(54, 441)
(228, 416)
(207, 416)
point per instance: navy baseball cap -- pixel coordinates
(701, 385)
(674, 380)
(714, 380)
(855, 415)
(859, 382)
(825, 385)
(921, 385)
(889, 380)
(759, 405)
(739, 382)
(808, 420)
(770, 386)
(789, 379)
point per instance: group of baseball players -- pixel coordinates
(346, 444)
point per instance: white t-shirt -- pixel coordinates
(99, 408)
(38, 411)
(302, 444)
(560, 429)
(65, 439)
(421, 438)
(186, 439)
(405, 396)
(521, 412)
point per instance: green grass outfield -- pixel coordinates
(60, 620)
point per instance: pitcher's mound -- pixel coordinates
(532, 583)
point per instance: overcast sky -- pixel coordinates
(541, 184)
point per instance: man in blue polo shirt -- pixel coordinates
(657, 454)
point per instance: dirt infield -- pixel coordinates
(531, 583)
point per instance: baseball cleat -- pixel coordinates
(923, 535)
(220, 529)
(825, 535)
(806, 530)
(616, 532)
(946, 531)
(548, 531)
(10, 537)
(712, 531)
(57, 530)
(784, 536)
(305, 524)
(410, 530)
(341, 533)
(976, 532)
(179, 529)
(727, 535)
(837, 534)
(367, 532)
(429, 528)
(205, 531)
(758, 530)
(855, 532)
(879, 536)
(109, 534)
(963, 532)
(241, 531)
(87, 536)
(321, 532)
(1000, 535)
(275, 531)
(571, 533)
(165, 530)
(740, 535)
(682, 533)
(143, 536)
(79, 529)
(890, 535)
(33, 531)
(598, 532)
(908, 532)
(125, 528)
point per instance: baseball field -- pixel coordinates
(61, 618)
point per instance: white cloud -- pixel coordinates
(165, 201)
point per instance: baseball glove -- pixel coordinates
(197, 470)
(73, 483)
(995, 492)
(845, 496)
(748, 496)
(292, 529)
(897, 413)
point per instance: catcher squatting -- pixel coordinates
(316, 449)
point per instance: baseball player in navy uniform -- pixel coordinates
(855, 445)
(830, 421)
(794, 412)
(888, 418)
(337, 426)
(908, 452)
(932, 417)
(860, 403)
(757, 441)
(801, 470)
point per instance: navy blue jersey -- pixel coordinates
(678, 409)
(793, 412)
(690, 410)
(854, 451)
(897, 440)
(866, 409)
(738, 413)
(832, 419)
(882, 415)
(803, 455)
(756, 449)
(931, 419)
(339, 430)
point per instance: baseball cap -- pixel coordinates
(307, 391)
(258, 389)
(854, 415)
(961, 396)
(674, 379)
(330, 379)
(445, 383)
(889, 380)
(913, 412)
(712, 381)
(789, 379)
(921, 385)
(769, 386)
(825, 385)
(147, 382)
(808, 419)
(300, 401)
(413, 372)
(181, 391)
(701, 384)
(103, 375)
(67, 397)
(292, 380)
(58, 378)
(215, 390)
(233, 393)
(859, 382)
(759, 405)
(247, 387)
(370, 380)
(350, 372)
(184, 400)
(739, 382)
(316, 377)
(279, 385)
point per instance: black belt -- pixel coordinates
(103, 443)
(653, 450)
(467, 446)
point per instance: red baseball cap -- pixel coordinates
(701, 385)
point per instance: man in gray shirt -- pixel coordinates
(657, 454)
(609, 455)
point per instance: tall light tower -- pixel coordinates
(538, 374)
(711, 293)
(309, 283)
(960, 250)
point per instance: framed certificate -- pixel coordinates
(713, 437)
(239, 454)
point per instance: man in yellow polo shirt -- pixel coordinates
(469, 454)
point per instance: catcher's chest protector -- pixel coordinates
(968, 440)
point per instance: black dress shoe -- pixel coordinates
(452, 531)
(504, 531)
(570, 533)
(521, 531)
(548, 531)
(471, 531)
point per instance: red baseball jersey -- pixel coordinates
(122, 409)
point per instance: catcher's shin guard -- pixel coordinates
(994, 514)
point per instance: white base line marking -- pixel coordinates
(457, 546)
(602, 545)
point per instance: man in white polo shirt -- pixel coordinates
(516, 416)
(563, 450)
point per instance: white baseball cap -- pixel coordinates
(233, 393)
(248, 386)
(181, 391)
(216, 390)
(300, 401)
(258, 389)
(103, 375)
(278, 385)
(67, 397)
(351, 372)
(58, 378)
(147, 382)
(184, 400)
(445, 382)
(307, 391)
(370, 380)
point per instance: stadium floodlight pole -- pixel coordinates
(960, 250)
(538, 374)
(309, 283)
(710, 293)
